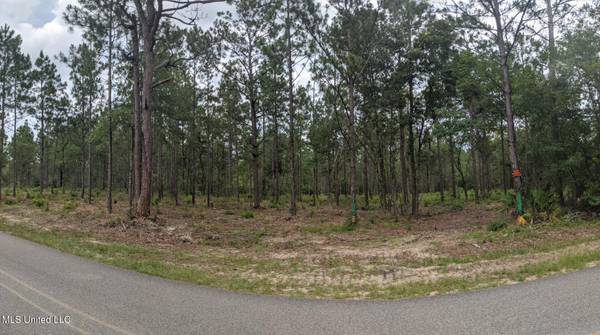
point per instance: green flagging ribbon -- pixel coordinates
(519, 203)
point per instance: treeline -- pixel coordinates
(277, 99)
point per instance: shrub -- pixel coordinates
(187, 199)
(429, 199)
(541, 201)
(69, 206)
(9, 201)
(247, 214)
(39, 202)
(456, 203)
(508, 200)
(348, 226)
(497, 225)
(590, 199)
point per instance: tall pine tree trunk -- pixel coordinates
(294, 179)
(145, 197)
(553, 112)
(137, 116)
(442, 180)
(452, 169)
(352, 146)
(508, 106)
(109, 171)
(411, 153)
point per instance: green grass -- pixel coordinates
(152, 261)
(228, 271)
(497, 224)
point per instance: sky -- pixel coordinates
(42, 28)
(41, 25)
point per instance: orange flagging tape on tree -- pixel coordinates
(516, 173)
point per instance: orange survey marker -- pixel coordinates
(516, 173)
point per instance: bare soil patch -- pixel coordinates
(315, 251)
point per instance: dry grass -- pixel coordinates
(315, 253)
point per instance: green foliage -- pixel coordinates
(433, 199)
(456, 203)
(70, 205)
(507, 200)
(348, 226)
(428, 199)
(540, 201)
(497, 225)
(9, 201)
(247, 214)
(590, 199)
(41, 203)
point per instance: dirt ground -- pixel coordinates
(316, 248)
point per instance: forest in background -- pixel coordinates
(356, 103)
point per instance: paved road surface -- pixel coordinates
(100, 299)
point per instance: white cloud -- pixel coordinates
(17, 10)
(52, 37)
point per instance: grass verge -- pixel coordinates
(176, 266)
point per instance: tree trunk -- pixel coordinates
(411, 153)
(507, 93)
(352, 146)
(462, 177)
(131, 169)
(145, 197)
(255, 155)
(14, 147)
(42, 146)
(442, 180)
(209, 175)
(403, 170)
(474, 144)
(383, 191)
(294, 178)
(366, 178)
(475, 173)
(553, 112)
(452, 170)
(137, 116)
(275, 160)
(503, 159)
(83, 166)
(2, 135)
(315, 183)
(174, 173)
(89, 151)
(109, 110)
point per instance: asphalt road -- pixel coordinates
(36, 282)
